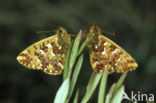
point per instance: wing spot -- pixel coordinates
(130, 61)
(99, 67)
(104, 51)
(58, 54)
(27, 59)
(97, 62)
(112, 48)
(38, 60)
(29, 51)
(45, 69)
(49, 45)
(52, 53)
(60, 47)
(35, 47)
(112, 68)
(42, 52)
(119, 59)
(116, 64)
(96, 46)
(105, 43)
(59, 64)
(44, 48)
(115, 51)
(50, 71)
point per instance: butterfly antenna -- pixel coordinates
(43, 32)
(110, 33)
(72, 35)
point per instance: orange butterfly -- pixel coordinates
(104, 53)
(48, 54)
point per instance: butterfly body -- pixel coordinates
(48, 54)
(104, 53)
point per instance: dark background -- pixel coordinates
(134, 20)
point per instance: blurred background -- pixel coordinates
(133, 20)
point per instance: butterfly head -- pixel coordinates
(61, 30)
(95, 29)
(94, 32)
(63, 36)
(93, 36)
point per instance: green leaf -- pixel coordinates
(119, 83)
(81, 48)
(75, 75)
(66, 65)
(102, 88)
(76, 97)
(75, 50)
(150, 101)
(93, 82)
(109, 95)
(62, 93)
(118, 96)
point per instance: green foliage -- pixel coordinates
(66, 66)
(102, 88)
(119, 83)
(75, 75)
(109, 95)
(76, 97)
(75, 50)
(65, 92)
(62, 92)
(118, 96)
(93, 83)
(71, 57)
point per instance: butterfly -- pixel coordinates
(48, 54)
(104, 53)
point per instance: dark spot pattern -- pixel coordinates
(27, 59)
(34, 46)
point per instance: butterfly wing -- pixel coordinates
(107, 54)
(47, 55)
(104, 53)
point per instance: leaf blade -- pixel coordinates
(102, 88)
(75, 50)
(66, 66)
(62, 92)
(93, 82)
(76, 97)
(118, 96)
(75, 75)
(119, 83)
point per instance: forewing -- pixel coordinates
(107, 54)
(47, 55)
